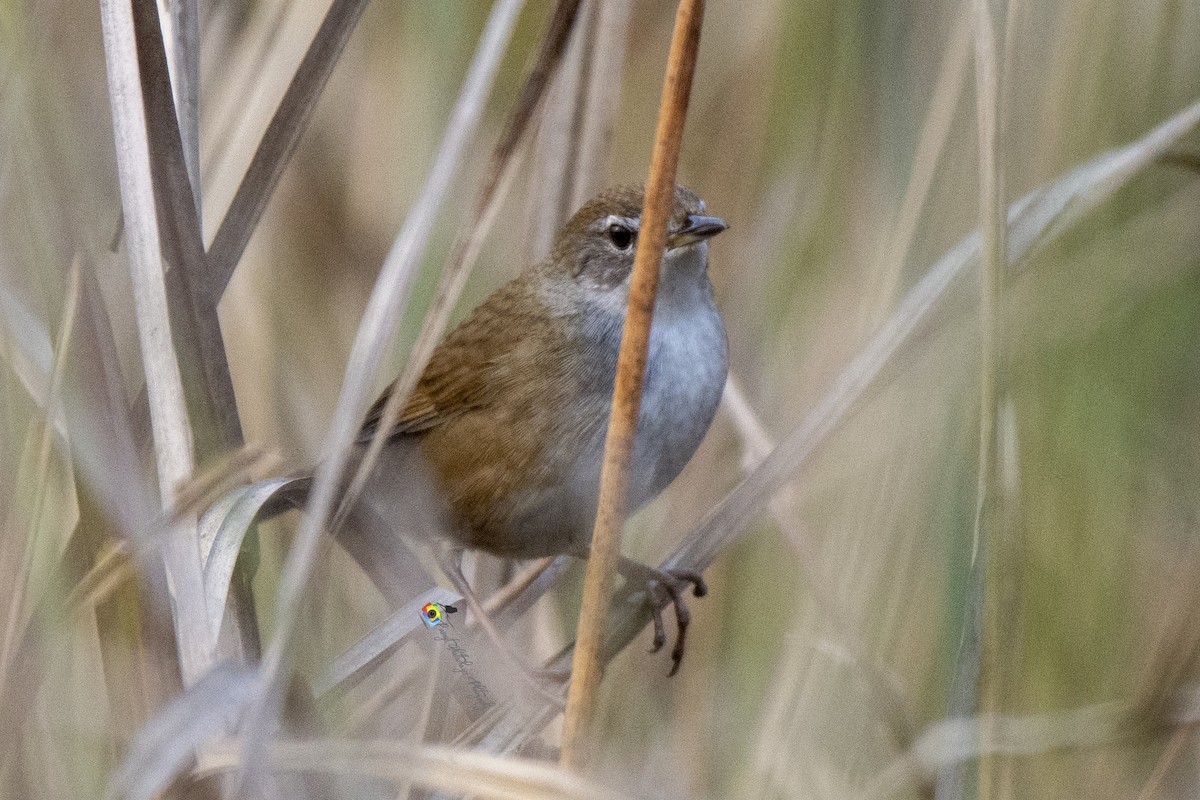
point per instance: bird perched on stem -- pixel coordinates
(508, 420)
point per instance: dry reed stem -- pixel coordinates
(19, 610)
(168, 409)
(627, 392)
(603, 97)
(452, 770)
(574, 134)
(935, 130)
(232, 470)
(196, 329)
(509, 592)
(369, 651)
(993, 254)
(105, 454)
(27, 346)
(978, 673)
(1034, 221)
(554, 145)
(174, 739)
(184, 54)
(1150, 789)
(116, 504)
(113, 566)
(888, 694)
(238, 73)
(959, 739)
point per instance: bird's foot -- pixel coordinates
(663, 586)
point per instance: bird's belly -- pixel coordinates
(685, 377)
(684, 381)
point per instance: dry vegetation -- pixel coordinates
(948, 514)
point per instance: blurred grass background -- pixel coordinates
(803, 133)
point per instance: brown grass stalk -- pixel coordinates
(627, 393)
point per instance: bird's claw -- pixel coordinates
(670, 586)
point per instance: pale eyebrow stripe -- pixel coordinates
(629, 222)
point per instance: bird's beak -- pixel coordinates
(697, 230)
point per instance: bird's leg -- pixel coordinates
(663, 586)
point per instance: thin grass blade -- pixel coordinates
(222, 531)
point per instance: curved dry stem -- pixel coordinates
(959, 739)
(278, 142)
(451, 770)
(975, 684)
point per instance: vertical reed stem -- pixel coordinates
(627, 393)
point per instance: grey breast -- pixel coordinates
(685, 376)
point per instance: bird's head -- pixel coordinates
(597, 245)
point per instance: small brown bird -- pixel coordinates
(509, 418)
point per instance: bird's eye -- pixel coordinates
(620, 236)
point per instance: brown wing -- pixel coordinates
(454, 382)
(501, 415)
(459, 378)
(419, 414)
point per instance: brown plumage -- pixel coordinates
(520, 391)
